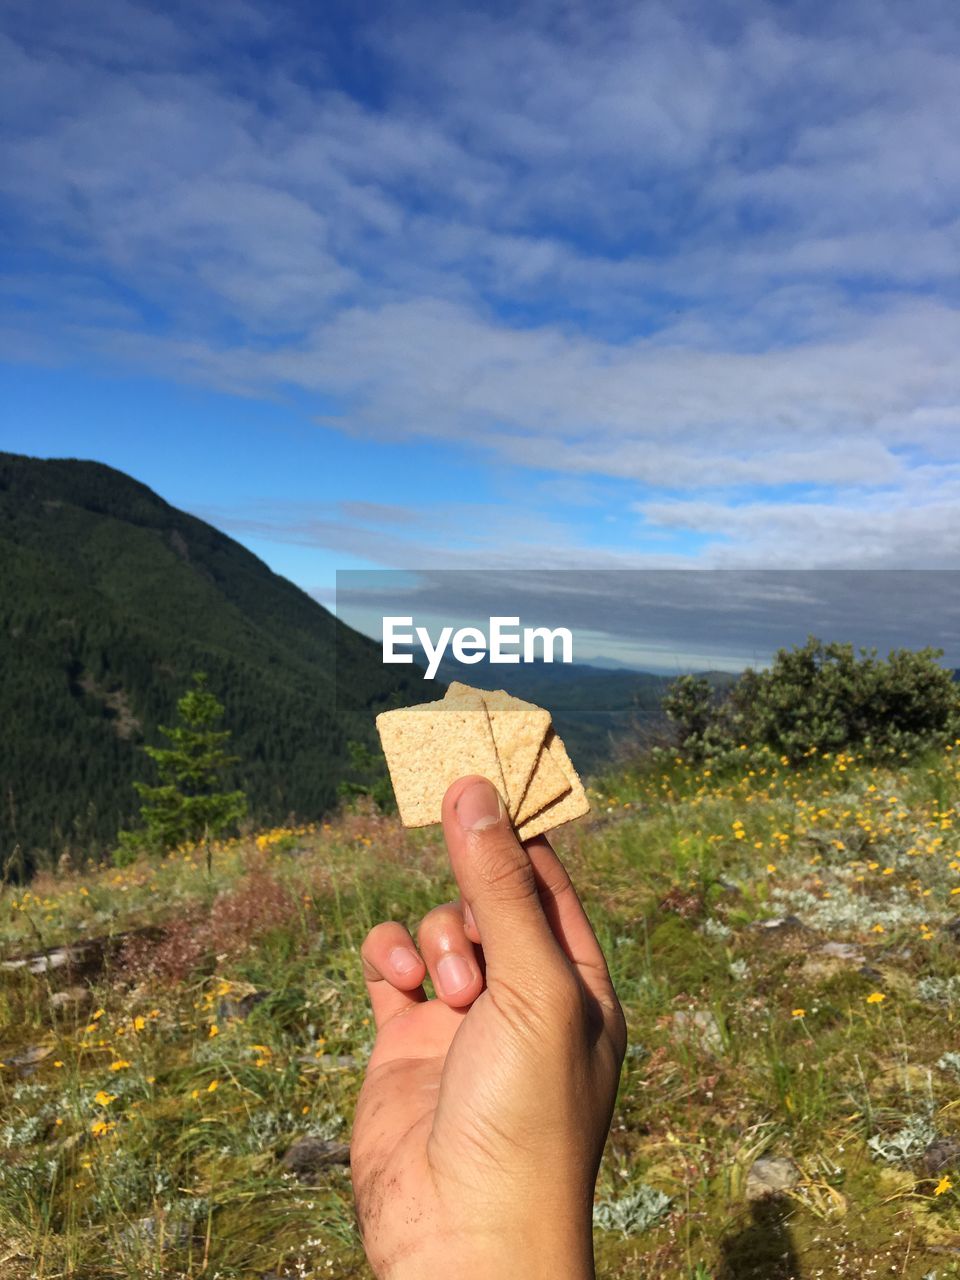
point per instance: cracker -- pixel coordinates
(519, 729)
(548, 783)
(429, 747)
(567, 807)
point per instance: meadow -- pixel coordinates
(176, 1097)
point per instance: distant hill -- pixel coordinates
(109, 599)
(595, 709)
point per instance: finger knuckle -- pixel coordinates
(436, 921)
(369, 943)
(547, 1001)
(505, 871)
(568, 1001)
(557, 882)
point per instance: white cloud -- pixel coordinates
(692, 250)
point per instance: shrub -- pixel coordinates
(817, 698)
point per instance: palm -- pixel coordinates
(414, 1053)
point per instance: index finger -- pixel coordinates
(569, 921)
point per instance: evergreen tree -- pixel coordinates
(187, 807)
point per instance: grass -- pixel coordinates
(142, 1124)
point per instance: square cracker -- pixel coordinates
(519, 729)
(566, 808)
(428, 747)
(548, 783)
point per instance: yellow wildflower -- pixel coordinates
(103, 1099)
(121, 1064)
(943, 1185)
(798, 1013)
(876, 997)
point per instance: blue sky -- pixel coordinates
(572, 285)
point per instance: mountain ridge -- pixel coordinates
(110, 598)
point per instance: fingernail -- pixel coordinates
(403, 960)
(468, 919)
(453, 974)
(479, 806)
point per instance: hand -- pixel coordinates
(484, 1112)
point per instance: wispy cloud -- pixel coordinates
(709, 252)
(676, 619)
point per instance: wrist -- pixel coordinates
(554, 1249)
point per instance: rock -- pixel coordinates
(234, 1006)
(701, 1026)
(771, 1177)
(73, 999)
(160, 1230)
(842, 951)
(81, 959)
(25, 1063)
(308, 1156)
(782, 926)
(78, 957)
(826, 960)
(942, 1154)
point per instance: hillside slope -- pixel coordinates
(784, 943)
(109, 599)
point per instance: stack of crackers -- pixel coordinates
(507, 740)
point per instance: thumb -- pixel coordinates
(496, 880)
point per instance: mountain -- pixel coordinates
(595, 709)
(609, 664)
(109, 599)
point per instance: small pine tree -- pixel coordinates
(187, 807)
(371, 766)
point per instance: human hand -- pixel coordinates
(483, 1115)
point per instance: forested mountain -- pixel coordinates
(109, 599)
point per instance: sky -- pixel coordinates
(560, 285)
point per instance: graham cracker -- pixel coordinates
(519, 729)
(567, 807)
(548, 783)
(428, 747)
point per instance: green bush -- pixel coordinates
(817, 698)
(370, 778)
